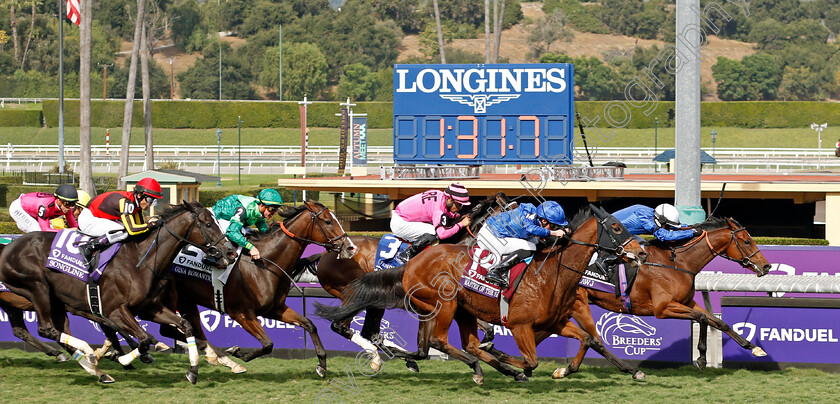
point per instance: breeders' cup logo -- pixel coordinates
(385, 328)
(747, 330)
(479, 102)
(628, 332)
(210, 319)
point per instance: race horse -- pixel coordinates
(664, 286)
(335, 273)
(428, 286)
(132, 283)
(259, 288)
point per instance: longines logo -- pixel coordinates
(614, 329)
(479, 102)
(210, 319)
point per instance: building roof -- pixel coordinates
(167, 176)
(667, 155)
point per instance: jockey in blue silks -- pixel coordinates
(513, 235)
(663, 222)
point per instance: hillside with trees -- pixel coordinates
(782, 50)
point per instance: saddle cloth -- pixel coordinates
(190, 262)
(620, 280)
(64, 256)
(474, 272)
(387, 250)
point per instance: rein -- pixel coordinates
(208, 248)
(284, 273)
(745, 262)
(329, 245)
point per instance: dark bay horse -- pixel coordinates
(335, 273)
(132, 284)
(14, 306)
(428, 286)
(260, 288)
(664, 286)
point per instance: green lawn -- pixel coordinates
(36, 378)
(664, 138)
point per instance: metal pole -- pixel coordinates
(687, 145)
(171, 79)
(239, 152)
(61, 86)
(220, 71)
(655, 137)
(280, 62)
(219, 155)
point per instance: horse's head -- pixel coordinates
(320, 226)
(193, 223)
(733, 242)
(488, 207)
(614, 237)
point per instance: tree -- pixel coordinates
(800, 84)
(497, 28)
(305, 70)
(733, 81)
(487, 55)
(765, 74)
(33, 4)
(547, 30)
(13, 5)
(187, 17)
(128, 111)
(358, 83)
(201, 81)
(439, 33)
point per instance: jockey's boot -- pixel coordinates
(607, 263)
(93, 245)
(418, 245)
(495, 274)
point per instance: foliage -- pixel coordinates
(548, 30)
(186, 18)
(20, 117)
(633, 17)
(800, 84)
(158, 82)
(202, 80)
(581, 17)
(429, 45)
(357, 83)
(304, 70)
(594, 80)
(405, 13)
(756, 77)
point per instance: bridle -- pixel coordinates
(212, 253)
(745, 261)
(330, 245)
(618, 249)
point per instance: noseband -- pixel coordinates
(209, 248)
(745, 260)
(330, 245)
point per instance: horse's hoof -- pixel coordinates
(520, 377)
(321, 371)
(700, 364)
(412, 366)
(757, 351)
(192, 376)
(105, 379)
(376, 363)
(486, 346)
(110, 354)
(160, 347)
(237, 369)
(478, 379)
(560, 373)
(639, 375)
(62, 357)
(146, 358)
(234, 350)
(129, 367)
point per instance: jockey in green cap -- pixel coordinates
(236, 212)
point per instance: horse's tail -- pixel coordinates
(379, 290)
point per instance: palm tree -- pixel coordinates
(32, 3)
(486, 31)
(129, 92)
(13, 4)
(498, 25)
(439, 32)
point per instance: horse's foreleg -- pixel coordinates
(467, 326)
(289, 316)
(249, 323)
(716, 322)
(523, 334)
(677, 310)
(167, 316)
(489, 334)
(439, 340)
(371, 332)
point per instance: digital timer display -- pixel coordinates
(483, 114)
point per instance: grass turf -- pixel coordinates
(30, 377)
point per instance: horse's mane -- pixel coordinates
(288, 213)
(713, 223)
(582, 216)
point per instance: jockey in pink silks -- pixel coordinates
(33, 211)
(426, 217)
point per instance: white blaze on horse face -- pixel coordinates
(348, 248)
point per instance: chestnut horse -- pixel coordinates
(132, 284)
(428, 286)
(334, 274)
(664, 286)
(260, 288)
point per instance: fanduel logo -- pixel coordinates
(614, 329)
(210, 319)
(748, 331)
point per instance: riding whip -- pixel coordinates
(712, 213)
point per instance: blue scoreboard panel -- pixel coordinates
(483, 114)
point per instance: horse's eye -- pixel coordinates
(328, 222)
(747, 242)
(208, 225)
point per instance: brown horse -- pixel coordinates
(664, 286)
(428, 286)
(335, 273)
(132, 284)
(260, 288)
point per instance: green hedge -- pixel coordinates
(20, 118)
(218, 114)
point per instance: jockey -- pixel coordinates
(236, 212)
(59, 222)
(113, 216)
(663, 222)
(424, 218)
(33, 211)
(512, 236)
